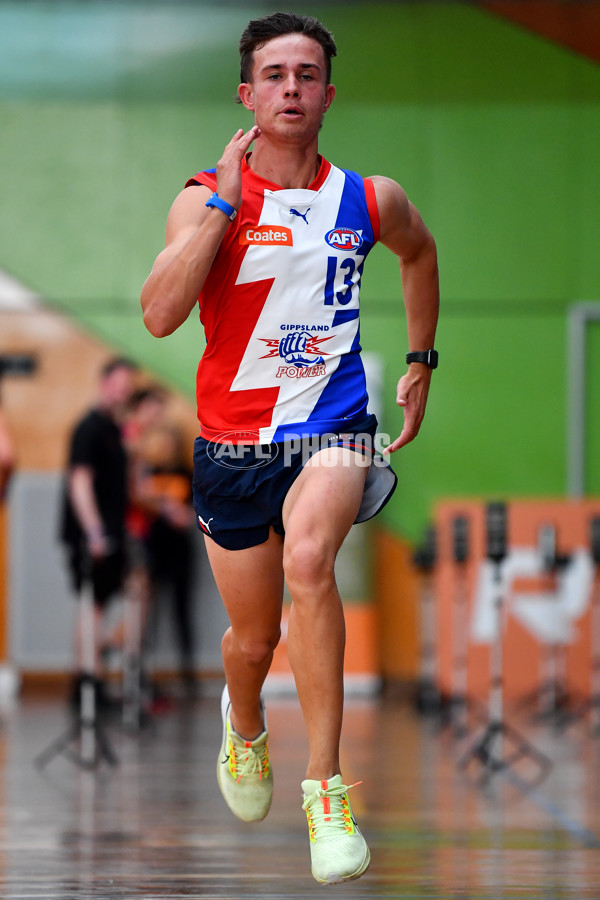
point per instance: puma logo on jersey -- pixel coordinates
(296, 212)
(266, 234)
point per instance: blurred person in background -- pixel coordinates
(95, 503)
(145, 411)
(7, 457)
(167, 486)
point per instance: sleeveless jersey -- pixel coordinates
(280, 310)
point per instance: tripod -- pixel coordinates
(428, 700)
(594, 701)
(553, 698)
(592, 704)
(500, 746)
(134, 714)
(83, 742)
(457, 701)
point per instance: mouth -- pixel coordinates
(291, 112)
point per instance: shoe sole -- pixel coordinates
(335, 878)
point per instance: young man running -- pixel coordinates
(272, 243)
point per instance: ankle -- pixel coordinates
(247, 727)
(322, 773)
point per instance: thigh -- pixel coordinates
(324, 500)
(250, 582)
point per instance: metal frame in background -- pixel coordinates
(579, 316)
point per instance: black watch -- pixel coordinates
(429, 357)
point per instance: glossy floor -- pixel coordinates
(155, 826)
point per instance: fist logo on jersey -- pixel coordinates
(293, 349)
(300, 349)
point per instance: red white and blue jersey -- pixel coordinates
(280, 310)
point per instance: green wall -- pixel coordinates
(107, 108)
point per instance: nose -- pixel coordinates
(292, 87)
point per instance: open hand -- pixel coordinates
(229, 167)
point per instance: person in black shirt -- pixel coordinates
(95, 499)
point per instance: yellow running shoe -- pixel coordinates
(338, 850)
(243, 770)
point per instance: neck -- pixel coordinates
(105, 406)
(289, 167)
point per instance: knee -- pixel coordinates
(307, 563)
(257, 650)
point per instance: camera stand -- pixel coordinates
(457, 704)
(592, 704)
(83, 742)
(134, 714)
(428, 700)
(554, 699)
(500, 746)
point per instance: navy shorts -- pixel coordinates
(239, 489)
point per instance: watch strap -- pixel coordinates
(428, 357)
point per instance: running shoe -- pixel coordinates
(243, 769)
(338, 850)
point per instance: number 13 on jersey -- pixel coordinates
(348, 265)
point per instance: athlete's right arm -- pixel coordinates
(194, 234)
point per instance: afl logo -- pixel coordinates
(344, 239)
(224, 450)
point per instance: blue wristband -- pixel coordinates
(215, 200)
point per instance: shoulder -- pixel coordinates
(87, 423)
(392, 201)
(208, 178)
(93, 424)
(192, 198)
(188, 209)
(84, 439)
(402, 228)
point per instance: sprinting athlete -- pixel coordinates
(272, 245)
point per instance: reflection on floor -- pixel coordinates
(155, 826)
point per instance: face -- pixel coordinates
(117, 387)
(289, 94)
(150, 412)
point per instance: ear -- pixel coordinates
(329, 95)
(246, 95)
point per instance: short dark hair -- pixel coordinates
(259, 31)
(151, 392)
(117, 362)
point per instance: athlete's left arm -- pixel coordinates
(403, 231)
